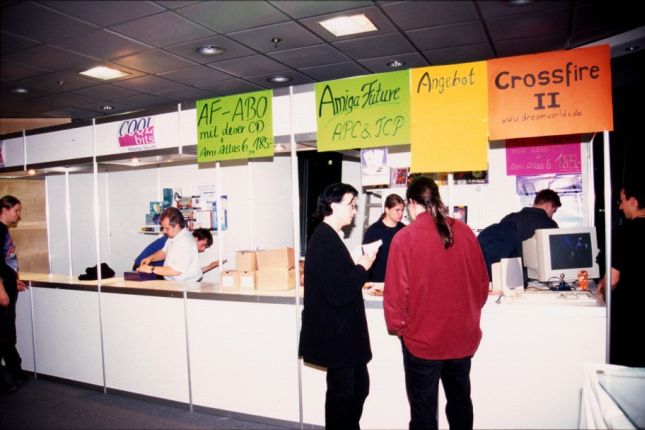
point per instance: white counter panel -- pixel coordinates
(144, 340)
(67, 335)
(24, 342)
(244, 358)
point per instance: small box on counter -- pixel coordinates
(275, 279)
(231, 279)
(246, 261)
(247, 280)
(139, 276)
(280, 258)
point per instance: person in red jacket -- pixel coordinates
(435, 287)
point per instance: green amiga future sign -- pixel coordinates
(234, 127)
(363, 112)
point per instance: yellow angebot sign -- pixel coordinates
(449, 109)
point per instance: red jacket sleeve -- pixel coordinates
(397, 281)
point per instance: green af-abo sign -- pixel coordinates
(364, 112)
(234, 127)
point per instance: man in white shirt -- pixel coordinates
(180, 253)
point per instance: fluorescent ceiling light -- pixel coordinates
(104, 73)
(346, 25)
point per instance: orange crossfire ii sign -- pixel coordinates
(562, 92)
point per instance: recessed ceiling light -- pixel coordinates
(395, 63)
(107, 107)
(20, 90)
(210, 50)
(346, 25)
(632, 48)
(104, 73)
(279, 79)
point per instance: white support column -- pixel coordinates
(608, 208)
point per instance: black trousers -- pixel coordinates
(347, 389)
(422, 385)
(8, 352)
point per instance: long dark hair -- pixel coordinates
(424, 191)
(391, 201)
(8, 201)
(331, 194)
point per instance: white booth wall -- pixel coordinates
(259, 211)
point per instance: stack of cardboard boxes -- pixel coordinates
(269, 270)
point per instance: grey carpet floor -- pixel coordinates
(49, 405)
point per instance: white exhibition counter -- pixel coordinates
(236, 352)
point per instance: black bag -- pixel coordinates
(91, 273)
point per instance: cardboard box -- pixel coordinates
(275, 279)
(280, 258)
(231, 279)
(247, 280)
(246, 261)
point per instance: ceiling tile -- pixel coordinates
(494, 9)
(409, 15)
(156, 29)
(291, 35)
(36, 22)
(460, 54)
(146, 100)
(530, 45)
(231, 86)
(380, 21)
(309, 56)
(186, 94)
(229, 16)
(96, 107)
(375, 46)
(447, 36)
(246, 66)
(51, 82)
(605, 16)
(379, 65)
(11, 43)
(105, 13)
(173, 4)
(11, 71)
(154, 62)
(304, 9)
(296, 79)
(195, 75)
(58, 101)
(529, 25)
(148, 84)
(50, 57)
(105, 92)
(103, 44)
(231, 49)
(329, 72)
(8, 95)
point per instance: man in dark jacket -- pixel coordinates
(504, 239)
(10, 285)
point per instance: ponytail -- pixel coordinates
(424, 191)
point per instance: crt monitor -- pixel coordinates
(553, 252)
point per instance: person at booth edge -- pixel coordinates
(180, 253)
(435, 287)
(10, 285)
(334, 325)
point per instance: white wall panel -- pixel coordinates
(13, 152)
(60, 145)
(57, 231)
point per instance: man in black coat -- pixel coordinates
(334, 326)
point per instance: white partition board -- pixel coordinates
(66, 333)
(60, 145)
(243, 357)
(24, 341)
(144, 341)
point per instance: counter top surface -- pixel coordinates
(372, 294)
